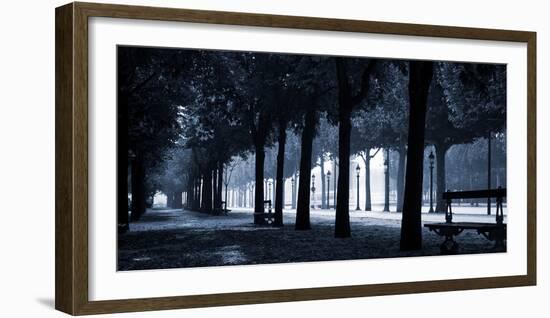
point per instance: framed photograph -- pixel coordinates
(219, 158)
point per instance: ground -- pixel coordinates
(174, 238)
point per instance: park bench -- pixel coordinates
(225, 209)
(222, 210)
(267, 217)
(492, 231)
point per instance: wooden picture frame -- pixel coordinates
(72, 280)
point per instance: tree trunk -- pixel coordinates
(188, 199)
(242, 192)
(220, 186)
(335, 181)
(198, 192)
(283, 187)
(169, 199)
(420, 77)
(280, 185)
(244, 196)
(192, 195)
(440, 151)
(185, 195)
(177, 200)
(401, 176)
(196, 198)
(342, 225)
(238, 197)
(259, 192)
(207, 192)
(189, 196)
(368, 205)
(251, 196)
(214, 188)
(293, 189)
(138, 188)
(122, 171)
(302, 210)
(274, 185)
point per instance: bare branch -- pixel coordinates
(377, 150)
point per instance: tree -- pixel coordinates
(381, 122)
(147, 115)
(292, 165)
(243, 181)
(395, 100)
(285, 95)
(387, 180)
(325, 148)
(170, 176)
(347, 100)
(228, 172)
(211, 124)
(420, 78)
(315, 96)
(308, 133)
(468, 101)
(367, 127)
(257, 115)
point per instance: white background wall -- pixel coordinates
(27, 158)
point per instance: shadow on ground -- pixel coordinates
(177, 239)
(47, 302)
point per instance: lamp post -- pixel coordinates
(357, 170)
(313, 191)
(489, 172)
(431, 157)
(386, 183)
(328, 189)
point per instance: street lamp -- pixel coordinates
(386, 183)
(328, 189)
(489, 172)
(431, 157)
(357, 170)
(313, 191)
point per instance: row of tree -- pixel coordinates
(466, 170)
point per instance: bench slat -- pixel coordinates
(465, 225)
(477, 194)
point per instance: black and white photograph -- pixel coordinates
(274, 158)
(238, 158)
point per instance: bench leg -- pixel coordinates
(449, 246)
(497, 235)
(500, 237)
